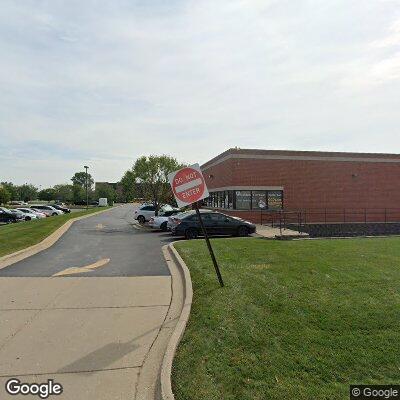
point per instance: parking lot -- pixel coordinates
(87, 310)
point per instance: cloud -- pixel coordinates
(103, 83)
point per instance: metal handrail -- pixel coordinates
(330, 215)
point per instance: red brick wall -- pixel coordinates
(315, 184)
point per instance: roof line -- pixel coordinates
(301, 156)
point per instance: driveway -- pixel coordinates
(86, 311)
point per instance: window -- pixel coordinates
(259, 198)
(148, 208)
(275, 200)
(220, 218)
(167, 213)
(243, 199)
(229, 200)
(215, 199)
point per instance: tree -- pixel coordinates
(152, 173)
(11, 189)
(105, 190)
(64, 193)
(5, 195)
(128, 184)
(27, 192)
(79, 179)
(78, 193)
(47, 194)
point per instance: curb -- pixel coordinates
(47, 242)
(166, 366)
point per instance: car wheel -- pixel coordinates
(242, 231)
(28, 218)
(54, 214)
(141, 219)
(164, 227)
(191, 234)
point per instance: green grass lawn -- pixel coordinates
(296, 320)
(14, 237)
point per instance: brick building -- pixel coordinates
(343, 187)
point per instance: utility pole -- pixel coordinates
(87, 195)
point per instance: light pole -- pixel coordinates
(87, 196)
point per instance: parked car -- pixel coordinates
(175, 219)
(38, 214)
(23, 215)
(64, 209)
(18, 203)
(146, 211)
(161, 221)
(48, 210)
(7, 217)
(188, 225)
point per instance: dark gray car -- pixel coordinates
(188, 225)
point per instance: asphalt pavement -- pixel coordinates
(111, 243)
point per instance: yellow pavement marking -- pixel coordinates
(86, 268)
(138, 227)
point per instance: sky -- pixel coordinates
(100, 83)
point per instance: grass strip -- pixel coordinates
(296, 320)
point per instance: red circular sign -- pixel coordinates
(188, 185)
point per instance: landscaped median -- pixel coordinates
(19, 236)
(296, 319)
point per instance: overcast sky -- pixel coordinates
(103, 82)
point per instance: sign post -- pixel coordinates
(188, 186)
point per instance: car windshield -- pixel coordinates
(5, 209)
(168, 213)
(186, 214)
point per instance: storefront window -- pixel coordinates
(221, 199)
(246, 199)
(229, 203)
(243, 199)
(275, 200)
(259, 199)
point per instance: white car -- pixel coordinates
(161, 221)
(146, 211)
(32, 212)
(18, 203)
(23, 215)
(48, 210)
(174, 220)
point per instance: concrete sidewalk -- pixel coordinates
(91, 335)
(270, 232)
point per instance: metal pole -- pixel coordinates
(87, 196)
(221, 282)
